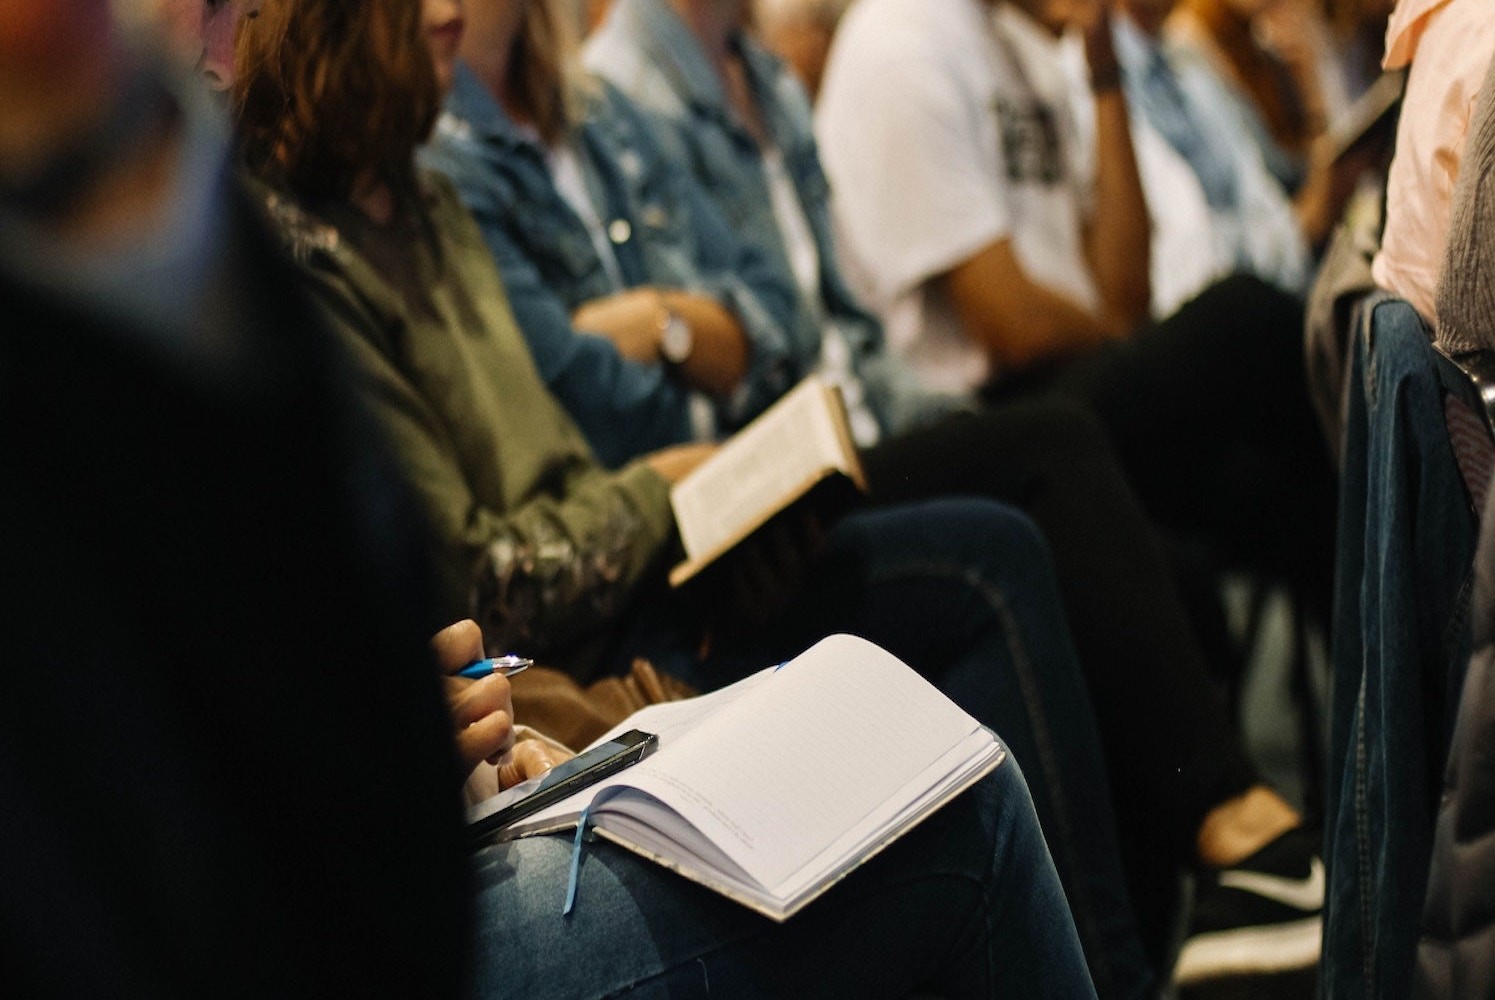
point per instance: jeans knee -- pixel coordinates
(979, 543)
(999, 542)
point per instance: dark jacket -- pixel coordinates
(1456, 956)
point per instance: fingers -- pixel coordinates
(476, 699)
(675, 463)
(482, 715)
(529, 759)
(486, 739)
(457, 645)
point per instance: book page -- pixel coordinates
(920, 796)
(756, 472)
(670, 721)
(807, 757)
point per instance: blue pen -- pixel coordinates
(508, 665)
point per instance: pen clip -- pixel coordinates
(508, 665)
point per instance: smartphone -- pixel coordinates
(487, 818)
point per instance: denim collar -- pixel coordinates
(474, 109)
(677, 53)
(766, 75)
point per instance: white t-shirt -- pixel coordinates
(835, 365)
(1185, 253)
(571, 182)
(946, 127)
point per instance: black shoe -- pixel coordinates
(1259, 918)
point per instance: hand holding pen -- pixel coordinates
(477, 693)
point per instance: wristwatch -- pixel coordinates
(676, 338)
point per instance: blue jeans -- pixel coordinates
(963, 591)
(966, 905)
(1406, 541)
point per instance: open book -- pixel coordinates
(793, 447)
(773, 789)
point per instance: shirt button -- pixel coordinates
(619, 231)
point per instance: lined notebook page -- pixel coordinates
(670, 721)
(806, 757)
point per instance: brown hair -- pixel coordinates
(543, 76)
(331, 93)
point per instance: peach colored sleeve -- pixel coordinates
(1449, 63)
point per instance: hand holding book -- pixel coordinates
(798, 452)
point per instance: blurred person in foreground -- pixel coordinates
(226, 765)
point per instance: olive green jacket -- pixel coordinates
(537, 540)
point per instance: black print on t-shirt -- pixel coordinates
(1030, 142)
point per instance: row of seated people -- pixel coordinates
(277, 811)
(726, 232)
(1416, 448)
(602, 232)
(553, 198)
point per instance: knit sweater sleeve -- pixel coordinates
(1466, 306)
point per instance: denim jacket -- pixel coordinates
(647, 51)
(664, 232)
(1400, 646)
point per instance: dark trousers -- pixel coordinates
(1208, 412)
(1169, 744)
(963, 591)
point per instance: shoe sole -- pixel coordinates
(1251, 950)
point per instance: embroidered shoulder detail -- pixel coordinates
(541, 590)
(303, 234)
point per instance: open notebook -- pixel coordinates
(773, 789)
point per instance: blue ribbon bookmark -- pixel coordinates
(575, 876)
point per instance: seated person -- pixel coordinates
(561, 557)
(1029, 454)
(640, 265)
(1214, 205)
(1006, 264)
(1332, 48)
(1279, 112)
(1450, 957)
(967, 904)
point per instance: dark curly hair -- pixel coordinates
(329, 94)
